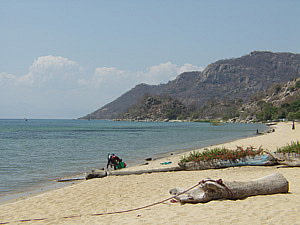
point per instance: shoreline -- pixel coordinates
(174, 156)
(115, 193)
(53, 184)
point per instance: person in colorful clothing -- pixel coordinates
(113, 160)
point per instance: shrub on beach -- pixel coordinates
(221, 154)
(294, 147)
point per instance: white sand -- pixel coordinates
(117, 193)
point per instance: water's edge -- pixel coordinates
(53, 184)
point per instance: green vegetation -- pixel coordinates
(287, 110)
(268, 111)
(294, 147)
(172, 113)
(231, 112)
(221, 154)
(215, 109)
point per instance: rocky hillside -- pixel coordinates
(278, 102)
(232, 79)
(155, 108)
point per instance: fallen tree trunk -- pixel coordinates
(102, 173)
(156, 170)
(96, 174)
(288, 159)
(214, 190)
(69, 179)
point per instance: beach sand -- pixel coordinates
(117, 193)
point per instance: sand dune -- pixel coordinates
(117, 193)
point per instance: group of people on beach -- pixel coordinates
(115, 161)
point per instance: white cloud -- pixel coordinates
(57, 87)
(159, 73)
(153, 75)
(102, 76)
(165, 72)
(46, 68)
(189, 67)
(6, 78)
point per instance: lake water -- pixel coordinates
(36, 152)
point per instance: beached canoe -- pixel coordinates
(259, 160)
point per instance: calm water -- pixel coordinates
(38, 151)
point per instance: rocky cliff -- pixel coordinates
(155, 108)
(233, 79)
(278, 102)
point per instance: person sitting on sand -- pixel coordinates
(113, 160)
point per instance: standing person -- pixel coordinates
(109, 160)
(293, 127)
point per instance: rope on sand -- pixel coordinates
(135, 209)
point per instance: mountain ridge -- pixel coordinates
(235, 78)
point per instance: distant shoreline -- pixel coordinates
(53, 184)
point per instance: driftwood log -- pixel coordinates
(155, 170)
(287, 159)
(102, 173)
(96, 174)
(214, 190)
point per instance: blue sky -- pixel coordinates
(67, 58)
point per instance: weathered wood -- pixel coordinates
(96, 174)
(212, 190)
(288, 159)
(156, 170)
(70, 179)
(100, 174)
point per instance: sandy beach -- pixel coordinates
(76, 204)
